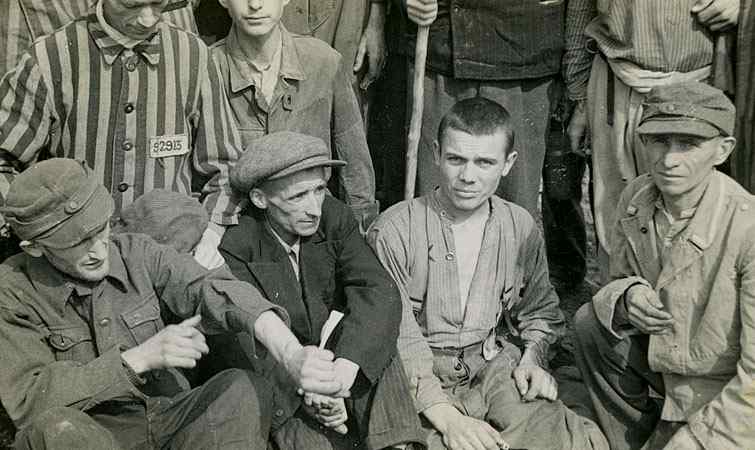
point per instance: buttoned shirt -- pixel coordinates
(706, 281)
(54, 356)
(150, 126)
(657, 35)
(23, 21)
(313, 96)
(510, 296)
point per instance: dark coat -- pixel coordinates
(339, 271)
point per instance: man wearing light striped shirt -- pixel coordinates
(136, 98)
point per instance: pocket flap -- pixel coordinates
(64, 339)
(147, 311)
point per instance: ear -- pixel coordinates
(509, 163)
(31, 249)
(725, 147)
(436, 152)
(258, 198)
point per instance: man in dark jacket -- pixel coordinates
(303, 249)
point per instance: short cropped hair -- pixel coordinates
(478, 116)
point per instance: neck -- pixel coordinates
(288, 238)
(260, 49)
(461, 216)
(676, 204)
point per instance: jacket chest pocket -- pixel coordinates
(72, 344)
(143, 321)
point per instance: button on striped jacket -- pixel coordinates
(79, 94)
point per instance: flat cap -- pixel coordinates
(170, 218)
(57, 202)
(689, 108)
(277, 155)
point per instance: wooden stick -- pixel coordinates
(418, 102)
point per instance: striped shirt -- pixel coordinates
(414, 241)
(143, 119)
(658, 35)
(23, 21)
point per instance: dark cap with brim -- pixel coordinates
(278, 155)
(57, 203)
(690, 108)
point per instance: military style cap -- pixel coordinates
(57, 202)
(689, 108)
(277, 155)
(170, 218)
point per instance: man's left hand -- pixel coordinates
(206, 252)
(717, 15)
(372, 47)
(683, 439)
(533, 382)
(329, 411)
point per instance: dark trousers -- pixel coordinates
(618, 377)
(230, 411)
(381, 417)
(485, 390)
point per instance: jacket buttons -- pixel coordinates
(279, 413)
(450, 256)
(105, 322)
(122, 187)
(127, 145)
(129, 108)
(644, 230)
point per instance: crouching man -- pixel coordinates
(302, 248)
(86, 360)
(679, 315)
(472, 272)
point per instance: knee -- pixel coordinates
(242, 387)
(63, 428)
(585, 324)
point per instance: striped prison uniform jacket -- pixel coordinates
(143, 119)
(23, 21)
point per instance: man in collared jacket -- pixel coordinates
(278, 81)
(678, 315)
(87, 360)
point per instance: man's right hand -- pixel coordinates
(462, 432)
(174, 346)
(313, 370)
(577, 129)
(645, 310)
(422, 12)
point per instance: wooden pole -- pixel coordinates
(415, 125)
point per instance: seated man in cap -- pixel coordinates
(302, 248)
(679, 315)
(86, 360)
(472, 272)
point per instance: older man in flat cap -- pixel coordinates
(86, 360)
(302, 248)
(679, 315)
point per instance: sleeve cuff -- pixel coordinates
(132, 376)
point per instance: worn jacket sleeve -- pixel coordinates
(371, 327)
(217, 147)
(33, 381)
(390, 238)
(540, 320)
(577, 60)
(26, 118)
(225, 303)
(726, 421)
(350, 145)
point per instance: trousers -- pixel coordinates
(485, 390)
(230, 411)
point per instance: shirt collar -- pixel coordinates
(288, 248)
(56, 286)
(437, 206)
(704, 222)
(290, 66)
(112, 43)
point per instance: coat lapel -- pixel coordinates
(639, 230)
